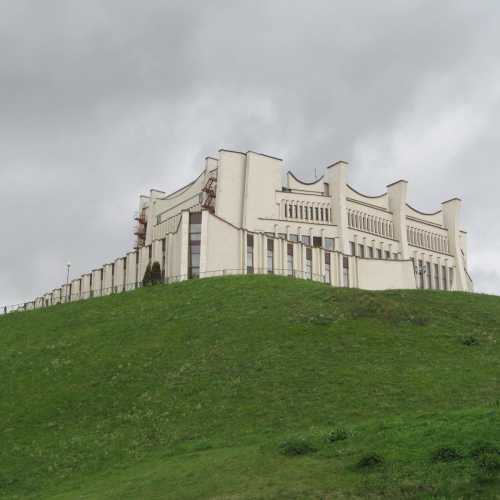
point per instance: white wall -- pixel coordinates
(373, 274)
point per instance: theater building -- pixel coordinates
(244, 215)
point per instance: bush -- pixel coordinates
(483, 447)
(295, 447)
(147, 279)
(337, 435)
(420, 320)
(446, 455)
(470, 340)
(370, 460)
(489, 462)
(156, 277)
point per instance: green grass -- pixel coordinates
(198, 389)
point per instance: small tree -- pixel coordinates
(156, 273)
(147, 276)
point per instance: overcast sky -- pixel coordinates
(103, 100)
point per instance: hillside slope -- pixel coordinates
(205, 389)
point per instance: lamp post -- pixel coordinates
(68, 267)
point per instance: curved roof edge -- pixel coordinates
(303, 182)
(183, 188)
(337, 163)
(366, 195)
(397, 182)
(422, 213)
(456, 198)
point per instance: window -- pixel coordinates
(451, 277)
(270, 251)
(361, 249)
(353, 247)
(125, 273)
(370, 252)
(444, 278)
(428, 272)
(420, 271)
(295, 210)
(306, 240)
(194, 244)
(163, 258)
(289, 259)
(379, 253)
(308, 263)
(317, 241)
(436, 276)
(326, 189)
(387, 255)
(329, 243)
(317, 213)
(311, 213)
(293, 237)
(327, 215)
(306, 212)
(328, 276)
(250, 253)
(301, 212)
(290, 211)
(321, 214)
(345, 269)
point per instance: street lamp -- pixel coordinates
(68, 267)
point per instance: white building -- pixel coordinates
(244, 215)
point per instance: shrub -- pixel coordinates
(370, 460)
(156, 277)
(446, 455)
(420, 320)
(337, 435)
(147, 279)
(483, 447)
(489, 462)
(295, 447)
(470, 340)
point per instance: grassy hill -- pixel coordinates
(252, 388)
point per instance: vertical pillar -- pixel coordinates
(184, 260)
(397, 192)
(336, 176)
(451, 220)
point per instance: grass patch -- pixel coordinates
(186, 391)
(369, 460)
(446, 454)
(296, 446)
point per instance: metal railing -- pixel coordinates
(44, 302)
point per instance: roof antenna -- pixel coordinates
(315, 174)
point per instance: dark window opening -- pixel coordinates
(194, 244)
(250, 253)
(270, 256)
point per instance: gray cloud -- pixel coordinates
(102, 100)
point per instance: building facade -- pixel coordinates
(244, 215)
